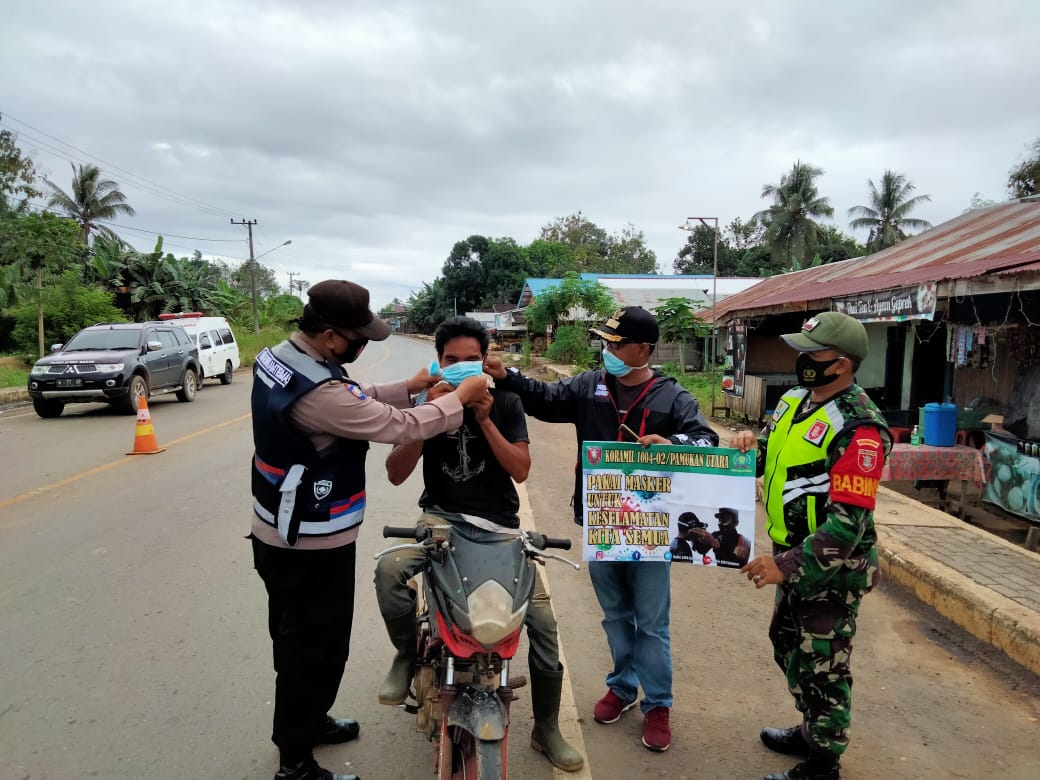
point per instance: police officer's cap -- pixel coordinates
(343, 304)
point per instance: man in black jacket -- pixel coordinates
(635, 596)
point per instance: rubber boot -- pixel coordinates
(398, 682)
(545, 737)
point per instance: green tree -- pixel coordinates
(593, 250)
(887, 215)
(17, 176)
(835, 246)
(505, 266)
(69, 305)
(1024, 178)
(627, 253)
(678, 323)
(38, 246)
(697, 255)
(791, 228)
(549, 259)
(91, 200)
(979, 201)
(573, 299)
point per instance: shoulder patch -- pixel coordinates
(278, 372)
(356, 391)
(779, 411)
(816, 432)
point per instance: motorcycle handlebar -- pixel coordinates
(543, 542)
(397, 532)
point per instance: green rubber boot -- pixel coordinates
(546, 737)
(398, 680)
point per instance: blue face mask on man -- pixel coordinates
(616, 366)
(456, 372)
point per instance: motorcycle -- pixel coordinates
(475, 599)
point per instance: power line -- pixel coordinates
(171, 235)
(166, 191)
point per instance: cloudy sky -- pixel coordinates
(376, 134)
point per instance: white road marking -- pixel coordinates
(569, 725)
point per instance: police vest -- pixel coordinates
(797, 483)
(295, 489)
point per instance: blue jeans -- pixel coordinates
(636, 599)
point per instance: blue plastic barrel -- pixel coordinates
(940, 427)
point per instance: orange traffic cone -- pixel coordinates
(144, 434)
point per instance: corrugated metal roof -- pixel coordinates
(1000, 239)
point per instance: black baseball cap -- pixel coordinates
(632, 323)
(689, 520)
(726, 515)
(343, 304)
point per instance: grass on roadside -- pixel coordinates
(14, 371)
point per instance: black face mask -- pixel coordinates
(354, 348)
(811, 372)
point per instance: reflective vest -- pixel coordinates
(295, 489)
(797, 483)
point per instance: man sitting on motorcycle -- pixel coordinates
(468, 476)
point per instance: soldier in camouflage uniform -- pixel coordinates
(821, 456)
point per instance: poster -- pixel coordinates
(668, 503)
(733, 368)
(1014, 476)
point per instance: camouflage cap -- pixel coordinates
(830, 330)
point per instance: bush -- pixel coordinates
(571, 346)
(68, 307)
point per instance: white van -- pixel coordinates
(218, 350)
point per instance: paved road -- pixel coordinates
(134, 639)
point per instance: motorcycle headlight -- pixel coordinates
(109, 368)
(491, 615)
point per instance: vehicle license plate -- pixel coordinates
(69, 382)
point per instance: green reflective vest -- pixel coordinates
(797, 483)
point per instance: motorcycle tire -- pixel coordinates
(472, 759)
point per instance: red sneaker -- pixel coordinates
(610, 708)
(657, 734)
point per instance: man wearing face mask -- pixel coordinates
(821, 455)
(626, 400)
(468, 477)
(312, 425)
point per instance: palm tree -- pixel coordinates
(791, 230)
(93, 199)
(887, 217)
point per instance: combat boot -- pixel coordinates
(398, 682)
(790, 742)
(816, 767)
(546, 738)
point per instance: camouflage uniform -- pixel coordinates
(821, 520)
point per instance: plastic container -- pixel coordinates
(940, 424)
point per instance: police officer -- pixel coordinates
(821, 455)
(312, 426)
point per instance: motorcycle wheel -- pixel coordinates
(472, 759)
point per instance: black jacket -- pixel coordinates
(587, 401)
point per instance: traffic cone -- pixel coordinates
(144, 434)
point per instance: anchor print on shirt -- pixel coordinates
(463, 472)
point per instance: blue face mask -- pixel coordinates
(615, 365)
(455, 373)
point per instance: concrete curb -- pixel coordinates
(986, 614)
(10, 395)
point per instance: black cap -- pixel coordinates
(632, 323)
(689, 520)
(726, 515)
(343, 304)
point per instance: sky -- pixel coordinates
(374, 135)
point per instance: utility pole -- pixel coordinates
(252, 270)
(291, 275)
